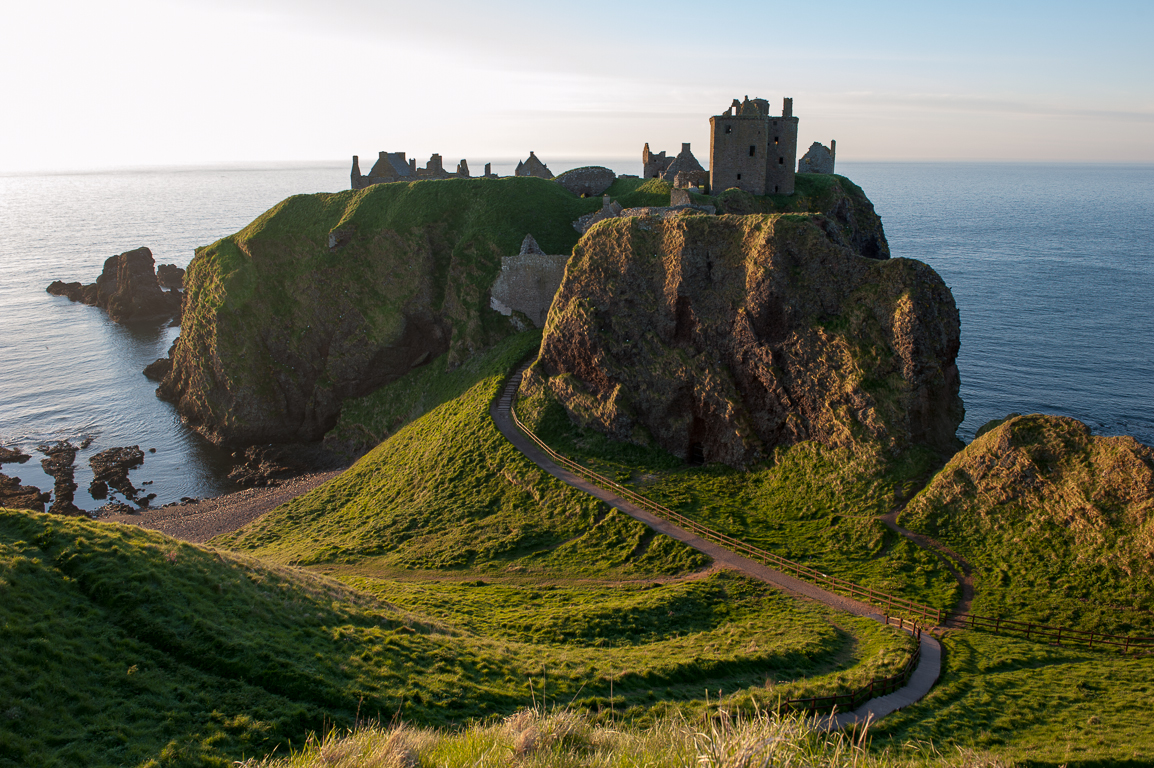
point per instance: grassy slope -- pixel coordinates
(122, 645)
(1033, 702)
(448, 492)
(1059, 524)
(809, 503)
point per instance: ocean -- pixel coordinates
(1052, 268)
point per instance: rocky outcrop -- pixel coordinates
(719, 338)
(170, 276)
(128, 289)
(610, 209)
(110, 468)
(850, 216)
(60, 465)
(587, 181)
(12, 456)
(16, 496)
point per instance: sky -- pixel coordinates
(136, 83)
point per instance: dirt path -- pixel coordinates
(199, 521)
(929, 666)
(948, 557)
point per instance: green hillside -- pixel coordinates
(448, 492)
(125, 647)
(1058, 523)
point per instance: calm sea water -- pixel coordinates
(1052, 268)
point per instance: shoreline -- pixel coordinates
(198, 521)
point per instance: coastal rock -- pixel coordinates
(127, 289)
(170, 276)
(719, 338)
(16, 496)
(110, 468)
(267, 465)
(12, 456)
(158, 368)
(587, 181)
(60, 465)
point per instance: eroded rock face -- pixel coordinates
(110, 468)
(170, 276)
(719, 338)
(128, 289)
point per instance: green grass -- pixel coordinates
(635, 192)
(125, 647)
(808, 503)
(1034, 703)
(1055, 521)
(449, 492)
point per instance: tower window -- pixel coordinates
(774, 139)
(739, 177)
(752, 150)
(781, 161)
(729, 129)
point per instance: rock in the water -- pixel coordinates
(127, 288)
(16, 496)
(170, 276)
(158, 369)
(60, 465)
(112, 466)
(587, 181)
(719, 338)
(12, 456)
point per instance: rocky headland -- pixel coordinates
(128, 288)
(719, 338)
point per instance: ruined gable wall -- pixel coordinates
(527, 283)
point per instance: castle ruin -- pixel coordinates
(818, 159)
(680, 171)
(392, 166)
(533, 167)
(753, 150)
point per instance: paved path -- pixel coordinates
(929, 666)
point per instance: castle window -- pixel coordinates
(739, 177)
(781, 161)
(752, 150)
(729, 129)
(774, 139)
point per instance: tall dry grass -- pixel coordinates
(566, 738)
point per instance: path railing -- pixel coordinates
(891, 604)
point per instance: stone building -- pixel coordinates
(752, 150)
(528, 282)
(684, 167)
(818, 159)
(392, 166)
(533, 167)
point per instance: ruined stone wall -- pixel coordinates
(817, 160)
(528, 282)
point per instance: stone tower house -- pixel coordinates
(753, 150)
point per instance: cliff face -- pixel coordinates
(328, 296)
(718, 338)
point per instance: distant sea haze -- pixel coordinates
(1052, 267)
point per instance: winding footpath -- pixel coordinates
(929, 666)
